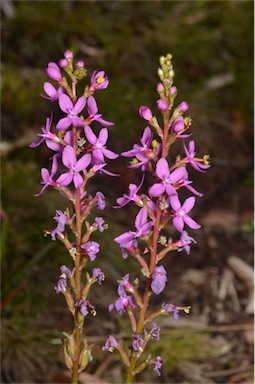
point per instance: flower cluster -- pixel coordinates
(161, 205)
(78, 152)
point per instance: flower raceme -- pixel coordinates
(81, 151)
(158, 207)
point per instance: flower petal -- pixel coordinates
(64, 123)
(65, 103)
(109, 154)
(141, 218)
(178, 223)
(189, 204)
(92, 106)
(162, 169)
(69, 157)
(175, 203)
(79, 105)
(83, 162)
(103, 136)
(191, 223)
(157, 190)
(91, 137)
(77, 180)
(65, 179)
(49, 89)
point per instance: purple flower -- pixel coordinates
(51, 139)
(122, 303)
(65, 270)
(100, 201)
(98, 81)
(169, 308)
(132, 196)
(110, 344)
(142, 226)
(141, 149)
(91, 248)
(130, 246)
(61, 285)
(70, 161)
(66, 105)
(184, 242)
(157, 365)
(181, 213)
(83, 304)
(167, 179)
(99, 221)
(98, 274)
(53, 72)
(145, 113)
(155, 331)
(53, 93)
(137, 342)
(159, 280)
(47, 178)
(99, 149)
(93, 115)
(61, 219)
(190, 157)
(123, 285)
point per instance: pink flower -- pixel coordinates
(181, 213)
(66, 105)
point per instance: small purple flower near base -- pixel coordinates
(98, 274)
(47, 178)
(99, 222)
(170, 308)
(137, 342)
(83, 304)
(132, 196)
(61, 285)
(122, 303)
(159, 280)
(100, 201)
(190, 157)
(155, 331)
(110, 344)
(157, 365)
(185, 241)
(91, 248)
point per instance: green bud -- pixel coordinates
(85, 357)
(161, 74)
(80, 73)
(162, 60)
(169, 56)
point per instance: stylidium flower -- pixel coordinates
(157, 365)
(141, 149)
(110, 344)
(181, 213)
(137, 342)
(61, 219)
(61, 285)
(47, 178)
(190, 157)
(99, 149)
(132, 196)
(84, 305)
(98, 81)
(91, 248)
(122, 303)
(123, 285)
(142, 228)
(99, 221)
(93, 115)
(155, 331)
(51, 138)
(167, 179)
(70, 161)
(184, 242)
(53, 93)
(100, 201)
(159, 280)
(171, 308)
(72, 111)
(98, 274)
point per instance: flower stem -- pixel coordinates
(78, 330)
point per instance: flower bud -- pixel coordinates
(183, 107)
(173, 90)
(80, 64)
(68, 54)
(162, 105)
(178, 124)
(63, 63)
(145, 113)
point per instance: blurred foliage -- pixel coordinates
(208, 40)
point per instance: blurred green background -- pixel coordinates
(212, 47)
